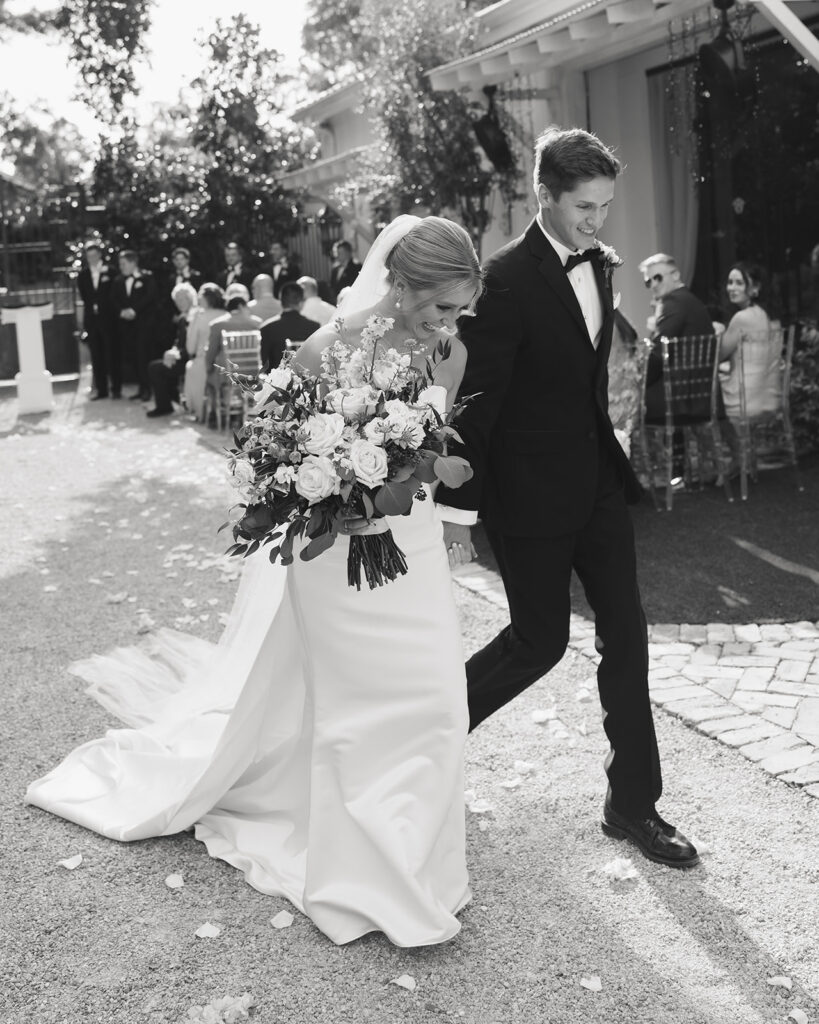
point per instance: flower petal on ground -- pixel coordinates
(512, 783)
(592, 983)
(71, 862)
(525, 767)
(621, 869)
(542, 715)
(703, 849)
(116, 598)
(799, 1016)
(480, 806)
(50, 589)
(282, 920)
(207, 931)
(583, 695)
(405, 981)
(780, 981)
(174, 881)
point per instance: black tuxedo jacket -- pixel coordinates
(536, 432)
(194, 280)
(290, 272)
(289, 325)
(343, 277)
(96, 301)
(245, 277)
(143, 300)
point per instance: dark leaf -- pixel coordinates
(318, 544)
(452, 470)
(394, 499)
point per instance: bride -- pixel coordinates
(318, 748)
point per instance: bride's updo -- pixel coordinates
(436, 254)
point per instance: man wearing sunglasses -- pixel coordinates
(678, 312)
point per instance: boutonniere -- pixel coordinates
(103, 277)
(137, 284)
(609, 255)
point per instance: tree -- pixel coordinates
(427, 154)
(46, 151)
(336, 37)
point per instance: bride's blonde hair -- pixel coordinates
(436, 254)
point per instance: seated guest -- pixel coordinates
(345, 269)
(165, 374)
(211, 308)
(315, 308)
(263, 304)
(239, 319)
(678, 313)
(750, 328)
(287, 330)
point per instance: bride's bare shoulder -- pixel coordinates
(309, 354)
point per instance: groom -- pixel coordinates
(551, 482)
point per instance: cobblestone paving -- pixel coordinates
(752, 687)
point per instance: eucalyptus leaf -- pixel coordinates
(318, 544)
(452, 470)
(394, 499)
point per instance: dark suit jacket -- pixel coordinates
(289, 325)
(343, 277)
(194, 280)
(679, 315)
(290, 272)
(245, 277)
(143, 300)
(535, 432)
(96, 301)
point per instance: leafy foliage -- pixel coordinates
(211, 171)
(336, 36)
(45, 150)
(805, 391)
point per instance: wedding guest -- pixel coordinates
(678, 313)
(750, 328)
(235, 271)
(315, 308)
(263, 304)
(182, 271)
(210, 309)
(135, 302)
(238, 319)
(94, 285)
(344, 270)
(284, 268)
(166, 374)
(288, 330)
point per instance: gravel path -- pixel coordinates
(101, 495)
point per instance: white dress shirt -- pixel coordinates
(584, 285)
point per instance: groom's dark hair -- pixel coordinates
(566, 156)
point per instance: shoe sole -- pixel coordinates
(615, 832)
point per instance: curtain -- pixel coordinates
(675, 197)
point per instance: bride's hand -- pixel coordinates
(362, 526)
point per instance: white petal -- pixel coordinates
(116, 598)
(799, 1016)
(592, 983)
(543, 715)
(480, 806)
(282, 920)
(512, 783)
(524, 767)
(71, 862)
(621, 869)
(50, 589)
(780, 981)
(703, 849)
(583, 695)
(207, 931)
(405, 981)
(174, 881)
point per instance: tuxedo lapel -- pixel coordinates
(604, 289)
(552, 270)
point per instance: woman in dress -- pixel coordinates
(749, 328)
(319, 747)
(211, 306)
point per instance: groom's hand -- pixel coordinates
(459, 546)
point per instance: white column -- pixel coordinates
(34, 392)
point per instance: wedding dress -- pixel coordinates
(318, 748)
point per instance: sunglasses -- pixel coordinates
(654, 279)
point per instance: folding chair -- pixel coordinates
(242, 355)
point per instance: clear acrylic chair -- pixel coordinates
(242, 351)
(763, 368)
(692, 407)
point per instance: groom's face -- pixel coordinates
(575, 218)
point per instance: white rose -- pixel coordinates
(243, 473)
(376, 431)
(262, 397)
(284, 475)
(352, 402)
(281, 377)
(369, 463)
(316, 478)
(324, 430)
(434, 395)
(397, 411)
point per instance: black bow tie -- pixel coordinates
(578, 257)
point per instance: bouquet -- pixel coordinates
(360, 442)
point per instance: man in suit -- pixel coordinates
(288, 329)
(181, 272)
(550, 480)
(678, 313)
(263, 304)
(284, 269)
(94, 285)
(237, 319)
(315, 308)
(345, 269)
(135, 301)
(235, 271)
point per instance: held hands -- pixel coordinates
(171, 357)
(127, 314)
(459, 546)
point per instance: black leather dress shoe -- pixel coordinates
(653, 837)
(159, 412)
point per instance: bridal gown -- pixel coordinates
(318, 747)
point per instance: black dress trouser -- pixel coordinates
(164, 382)
(97, 338)
(536, 573)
